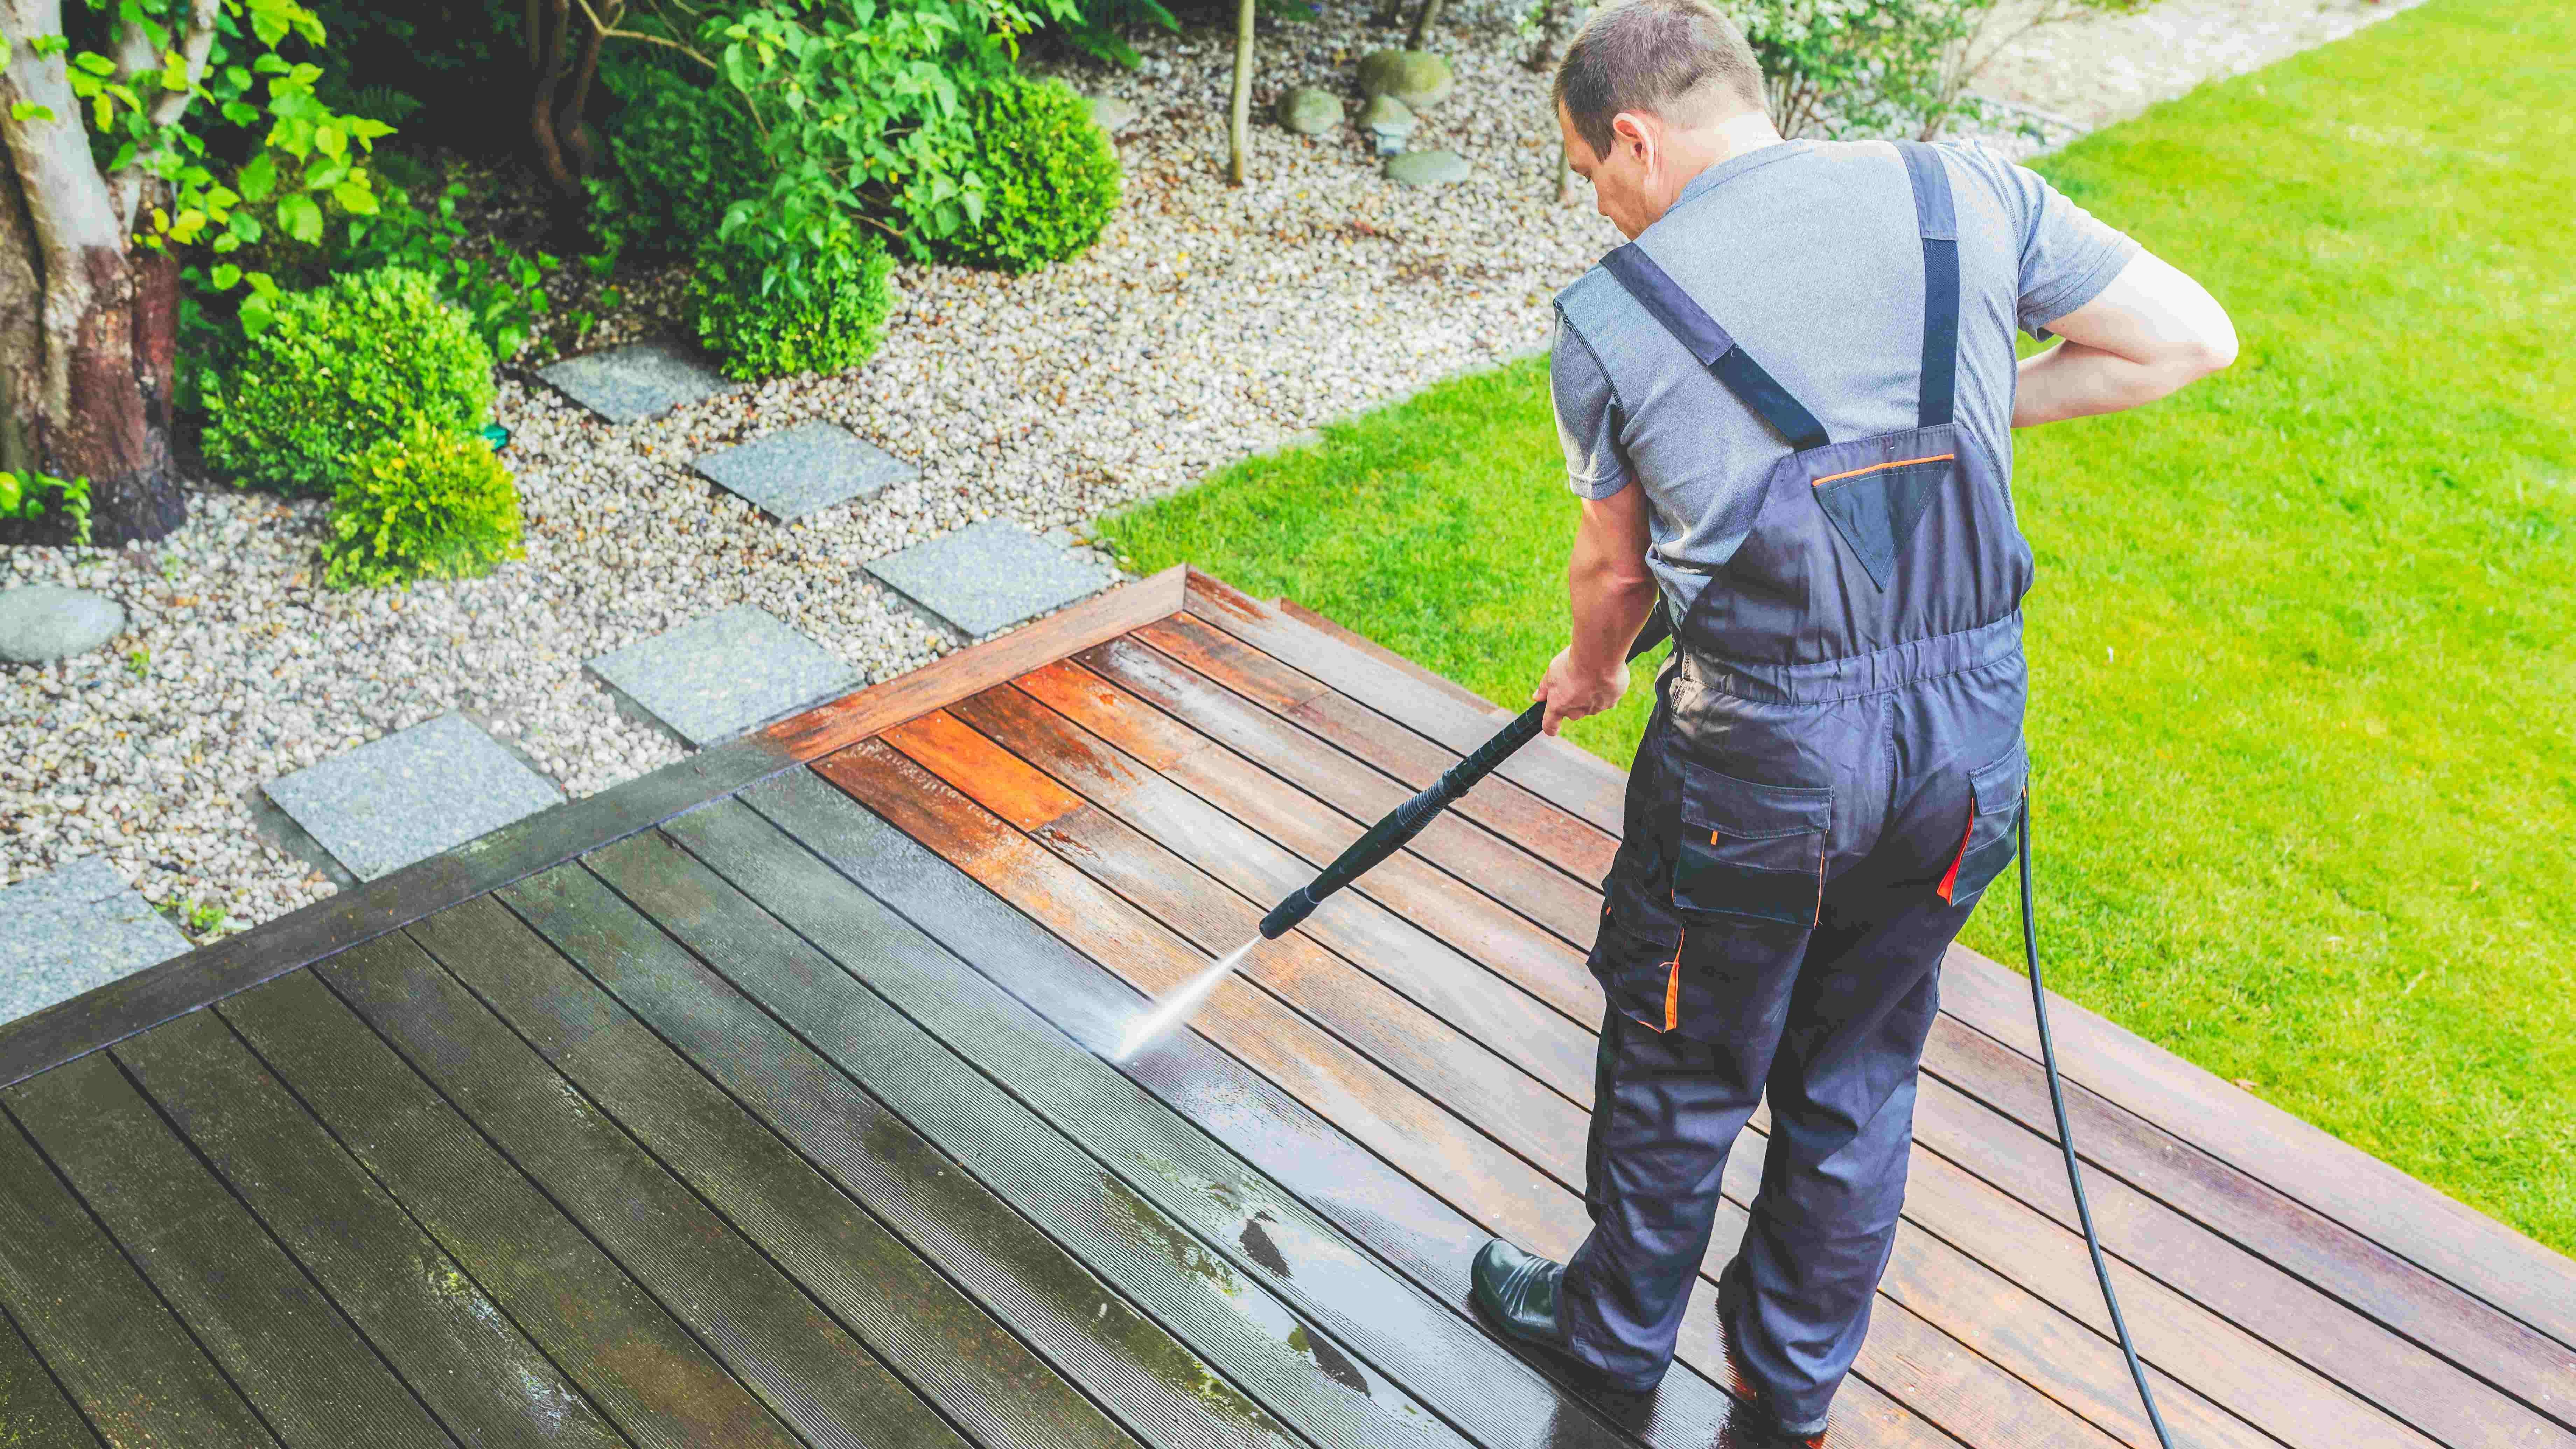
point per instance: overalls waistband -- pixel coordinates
(1827, 680)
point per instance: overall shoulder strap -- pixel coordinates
(1938, 223)
(1666, 302)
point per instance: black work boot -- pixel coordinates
(1519, 1290)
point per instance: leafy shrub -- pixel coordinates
(1050, 177)
(428, 502)
(863, 110)
(767, 310)
(1095, 26)
(678, 154)
(1887, 67)
(338, 368)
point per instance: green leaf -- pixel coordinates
(354, 197)
(258, 178)
(257, 313)
(224, 276)
(300, 217)
(94, 63)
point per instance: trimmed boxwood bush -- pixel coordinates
(429, 502)
(678, 154)
(340, 368)
(820, 309)
(1050, 177)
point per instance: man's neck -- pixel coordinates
(1695, 150)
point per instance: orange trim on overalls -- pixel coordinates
(1951, 877)
(1673, 986)
(1874, 467)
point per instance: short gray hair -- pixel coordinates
(1658, 56)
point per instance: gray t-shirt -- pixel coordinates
(1807, 253)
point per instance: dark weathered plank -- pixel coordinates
(33, 1412)
(1551, 768)
(312, 1376)
(449, 1342)
(1266, 1234)
(1406, 957)
(644, 1371)
(1514, 882)
(1239, 1327)
(819, 731)
(1436, 1058)
(2143, 1165)
(102, 1330)
(978, 1374)
(2373, 1199)
(1469, 1170)
(1501, 804)
(805, 1366)
(2437, 1396)
(1335, 629)
(1153, 1383)
(210, 973)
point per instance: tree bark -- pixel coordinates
(563, 58)
(86, 332)
(1239, 123)
(1423, 20)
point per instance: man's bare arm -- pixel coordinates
(2150, 332)
(1612, 593)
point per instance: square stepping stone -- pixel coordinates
(411, 795)
(990, 575)
(794, 471)
(733, 670)
(628, 384)
(74, 928)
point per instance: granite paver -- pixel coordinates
(628, 384)
(990, 575)
(411, 795)
(68, 930)
(726, 672)
(795, 471)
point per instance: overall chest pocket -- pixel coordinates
(1997, 794)
(1750, 851)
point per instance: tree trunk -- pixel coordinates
(86, 332)
(563, 58)
(1422, 23)
(1239, 124)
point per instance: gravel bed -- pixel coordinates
(1210, 323)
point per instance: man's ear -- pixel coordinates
(1635, 135)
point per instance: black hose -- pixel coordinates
(2066, 1138)
(1409, 819)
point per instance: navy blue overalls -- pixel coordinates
(1831, 775)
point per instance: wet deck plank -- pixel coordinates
(417, 1305)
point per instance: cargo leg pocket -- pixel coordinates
(1997, 793)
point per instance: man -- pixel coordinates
(1787, 405)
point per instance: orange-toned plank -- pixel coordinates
(999, 782)
(1507, 871)
(1425, 971)
(1498, 803)
(821, 730)
(1551, 768)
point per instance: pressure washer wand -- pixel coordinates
(1415, 815)
(1383, 839)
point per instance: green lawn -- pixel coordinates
(2304, 666)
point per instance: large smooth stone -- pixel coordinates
(40, 623)
(1310, 110)
(1426, 168)
(1111, 113)
(1416, 77)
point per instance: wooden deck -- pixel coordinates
(759, 1103)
